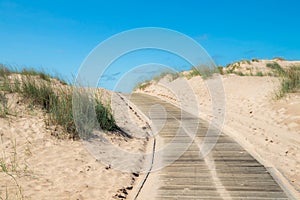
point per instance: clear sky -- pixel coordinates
(57, 35)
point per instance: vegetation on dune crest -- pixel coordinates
(33, 72)
(37, 88)
(203, 71)
(290, 81)
(290, 78)
(170, 75)
(142, 85)
(277, 68)
(279, 58)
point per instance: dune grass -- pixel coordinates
(290, 81)
(90, 114)
(4, 71)
(3, 105)
(203, 71)
(276, 68)
(9, 165)
(194, 72)
(259, 73)
(37, 88)
(290, 78)
(245, 61)
(105, 117)
(33, 72)
(170, 75)
(142, 85)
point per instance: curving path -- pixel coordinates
(227, 172)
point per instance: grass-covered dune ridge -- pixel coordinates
(287, 71)
(54, 96)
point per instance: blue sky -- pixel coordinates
(58, 35)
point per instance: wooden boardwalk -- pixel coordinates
(227, 172)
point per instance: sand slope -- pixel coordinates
(269, 128)
(40, 166)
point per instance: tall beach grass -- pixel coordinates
(56, 99)
(290, 78)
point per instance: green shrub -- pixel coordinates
(255, 60)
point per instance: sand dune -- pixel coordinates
(40, 166)
(267, 127)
